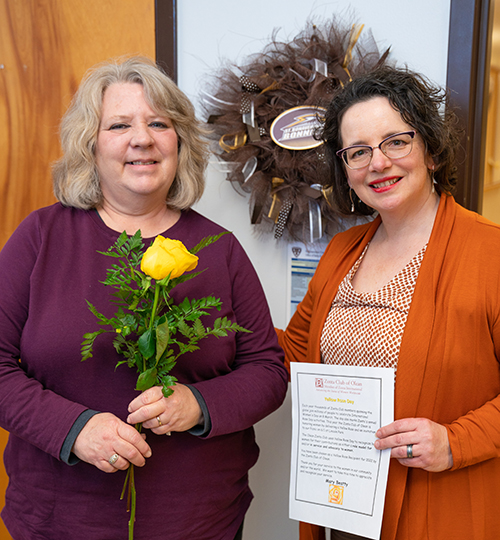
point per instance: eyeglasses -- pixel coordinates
(394, 147)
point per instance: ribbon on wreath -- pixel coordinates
(249, 168)
(318, 66)
(279, 211)
(247, 107)
(315, 191)
(275, 205)
(285, 210)
(236, 140)
(249, 89)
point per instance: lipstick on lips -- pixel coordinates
(384, 184)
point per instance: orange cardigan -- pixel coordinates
(448, 371)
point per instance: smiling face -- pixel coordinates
(136, 151)
(387, 185)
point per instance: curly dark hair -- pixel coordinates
(422, 105)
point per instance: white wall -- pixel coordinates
(210, 31)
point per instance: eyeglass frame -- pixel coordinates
(339, 153)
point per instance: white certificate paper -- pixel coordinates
(338, 479)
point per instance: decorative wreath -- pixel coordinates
(263, 116)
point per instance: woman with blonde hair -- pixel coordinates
(133, 158)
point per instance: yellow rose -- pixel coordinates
(166, 256)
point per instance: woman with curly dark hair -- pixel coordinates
(417, 290)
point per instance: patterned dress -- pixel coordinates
(366, 329)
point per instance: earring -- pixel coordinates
(352, 202)
(433, 181)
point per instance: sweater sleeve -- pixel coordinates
(475, 437)
(27, 409)
(257, 382)
(294, 339)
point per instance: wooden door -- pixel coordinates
(45, 48)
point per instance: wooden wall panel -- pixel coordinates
(45, 48)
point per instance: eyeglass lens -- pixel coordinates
(394, 147)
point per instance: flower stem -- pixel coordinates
(155, 305)
(132, 494)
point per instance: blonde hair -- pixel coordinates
(75, 176)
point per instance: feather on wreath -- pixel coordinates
(289, 186)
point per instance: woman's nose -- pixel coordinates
(141, 136)
(379, 160)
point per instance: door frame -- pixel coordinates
(166, 36)
(469, 50)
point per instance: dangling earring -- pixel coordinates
(433, 181)
(352, 202)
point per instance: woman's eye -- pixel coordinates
(360, 152)
(118, 126)
(159, 125)
(397, 143)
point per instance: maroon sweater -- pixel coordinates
(191, 487)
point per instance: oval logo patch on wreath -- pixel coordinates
(294, 129)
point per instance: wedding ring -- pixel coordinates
(159, 421)
(113, 459)
(409, 451)
(168, 433)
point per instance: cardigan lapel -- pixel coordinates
(417, 379)
(416, 347)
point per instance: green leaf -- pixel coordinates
(146, 380)
(147, 344)
(88, 343)
(199, 329)
(181, 279)
(222, 326)
(168, 381)
(184, 328)
(115, 249)
(207, 241)
(164, 282)
(162, 336)
(166, 363)
(138, 360)
(100, 316)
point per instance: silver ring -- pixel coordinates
(168, 433)
(159, 421)
(409, 451)
(113, 459)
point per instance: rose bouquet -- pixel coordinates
(151, 331)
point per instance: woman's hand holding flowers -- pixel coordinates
(179, 412)
(104, 435)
